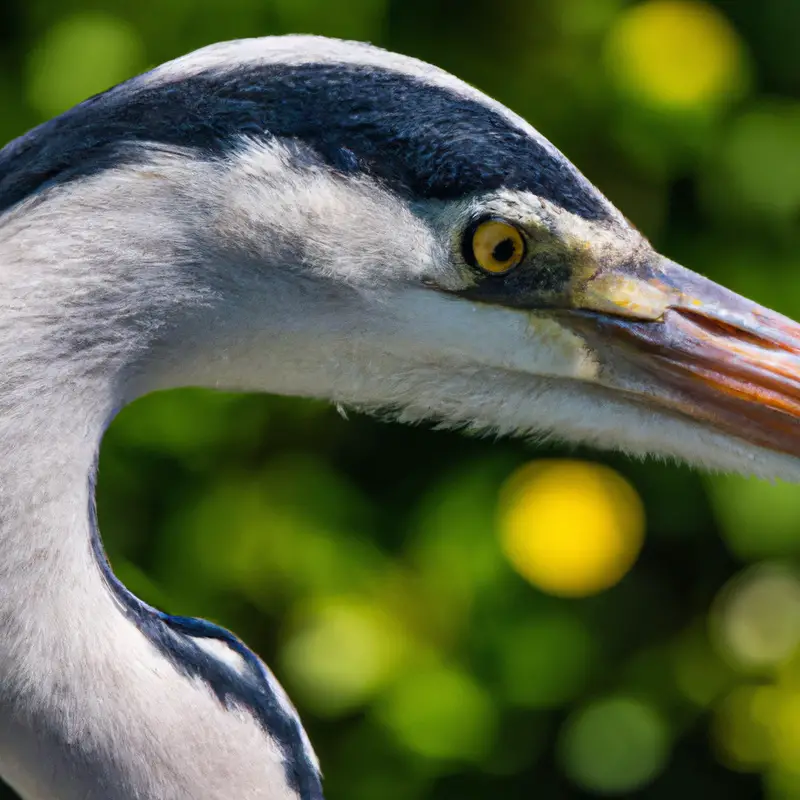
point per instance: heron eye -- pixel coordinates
(495, 246)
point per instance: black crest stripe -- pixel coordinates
(422, 139)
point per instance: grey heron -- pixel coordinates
(309, 217)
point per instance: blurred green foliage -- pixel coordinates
(363, 560)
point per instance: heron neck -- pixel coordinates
(99, 695)
(92, 314)
(49, 577)
(74, 324)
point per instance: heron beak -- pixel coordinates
(702, 350)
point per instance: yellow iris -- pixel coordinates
(497, 246)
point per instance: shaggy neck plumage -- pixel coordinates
(88, 322)
(48, 578)
(75, 321)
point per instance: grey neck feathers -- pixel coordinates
(87, 285)
(107, 290)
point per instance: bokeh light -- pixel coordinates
(676, 54)
(342, 652)
(786, 729)
(440, 713)
(760, 160)
(758, 519)
(570, 528)
(547, 660)
(700, 672)
(615, 745)
(79, 56)
(742, 727)
(757, 725)
(757, 617)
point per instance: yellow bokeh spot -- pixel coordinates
(569, 527)
(742, 729)
(678, 54)
(786, 732)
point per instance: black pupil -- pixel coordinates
(504, 251)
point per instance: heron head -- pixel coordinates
(645, 354)
(368, 228)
